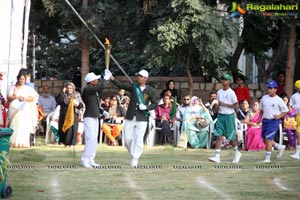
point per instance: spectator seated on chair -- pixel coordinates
(113, 124)
(243, 116)
(163, 119)
(290, 130)
(254, 140)
(48, 104)
(197, 121)
(181, 109)
(212, 105)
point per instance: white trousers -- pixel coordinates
(134, 132)
(91, 126)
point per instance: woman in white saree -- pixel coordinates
(22, 112)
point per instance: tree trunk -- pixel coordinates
(85, 47)
(264, 73)
(276, 56)
(188, 72)
(290, 65)
(236, 56)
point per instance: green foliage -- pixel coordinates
(4, 164)
(192, 24)
(258, 33)
(158, 40)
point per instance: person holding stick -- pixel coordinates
(143, 99)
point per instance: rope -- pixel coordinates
(95, 36)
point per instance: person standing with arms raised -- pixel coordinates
(143, 99)
(91, 96)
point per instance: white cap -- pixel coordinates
(143, 73)
(91, 77)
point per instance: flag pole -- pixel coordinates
(97, 39)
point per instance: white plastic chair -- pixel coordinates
(239, 126)
(49, 135)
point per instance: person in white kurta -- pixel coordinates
(22, 112)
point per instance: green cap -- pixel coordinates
(227, 77)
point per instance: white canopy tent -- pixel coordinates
(14, 18)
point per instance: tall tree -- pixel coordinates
(195, 36)
(291, 60)
(85, 47)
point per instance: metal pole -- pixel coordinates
(96, 37)
(33, 56)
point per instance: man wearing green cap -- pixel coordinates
(295, 103)
(225, 125)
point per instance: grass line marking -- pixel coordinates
(54, 185)
(135, 188)
(203, 183)
(277, 182)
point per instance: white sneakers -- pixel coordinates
(214, 159)
(86, 165)
(134, 162)
(280, 151)
(266, 161)
(295, 156)
(237, 157)
(91, 164)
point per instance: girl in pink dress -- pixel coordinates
(254, 140)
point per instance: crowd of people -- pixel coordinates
(127, 113)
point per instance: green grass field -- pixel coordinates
(54, 172)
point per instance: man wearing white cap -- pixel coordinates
(90, 96)
(137, 114)
(295, 103)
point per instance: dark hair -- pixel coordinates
(281, 72)
(115, 96)
(284, 95)
(253, 101)
(213, 92)
(168, 83)
(166, 95)
(22, 71)
(241, 77)
(242, 101)
(19, 76)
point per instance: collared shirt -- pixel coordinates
(48, 104)
(180, 111)
(161, 111)
(272, 106)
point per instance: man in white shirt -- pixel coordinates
(225, 125)
(48, 103)
(273, 108)
(295, 103)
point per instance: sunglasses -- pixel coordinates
(271, 88)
